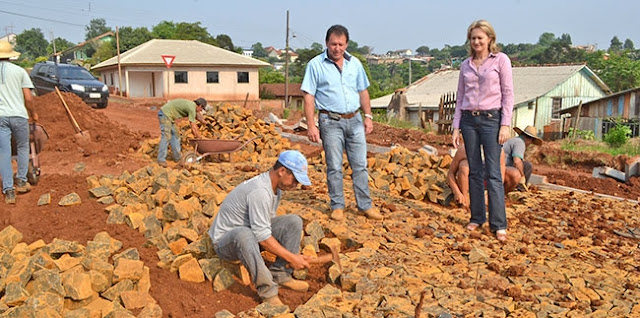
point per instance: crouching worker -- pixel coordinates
(247, 223)
(518, 169)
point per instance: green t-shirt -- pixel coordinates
(179, 108)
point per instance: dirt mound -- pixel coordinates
(108, 140)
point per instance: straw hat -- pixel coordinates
(530, 132)
(6, 50)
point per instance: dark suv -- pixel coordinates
(69, 78)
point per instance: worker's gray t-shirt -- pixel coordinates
(514, 147)
(251, 204)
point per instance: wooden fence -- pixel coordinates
(446, 111)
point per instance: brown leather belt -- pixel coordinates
(345, 116)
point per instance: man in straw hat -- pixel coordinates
(519, 170)
(15, 107)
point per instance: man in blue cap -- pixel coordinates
(247, 223)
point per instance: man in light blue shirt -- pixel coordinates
(336, 84)
(15, 100)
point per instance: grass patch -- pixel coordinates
(630, 148)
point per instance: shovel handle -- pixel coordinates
(73, 120)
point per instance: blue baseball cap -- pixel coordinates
(297, 163)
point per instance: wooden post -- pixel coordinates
(119, 67)
(575, 125)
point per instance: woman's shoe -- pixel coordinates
(501, 235)
(472, 226)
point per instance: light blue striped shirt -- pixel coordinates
(333, 90)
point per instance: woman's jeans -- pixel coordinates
(241, 244)
(338, 136)
(168, 135)
(18, 128)
(482, 129)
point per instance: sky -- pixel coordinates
(382, 25)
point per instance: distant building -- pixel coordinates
(81, 51)
(199, 69)
(11, 38)
(247, 52)
(277, 89)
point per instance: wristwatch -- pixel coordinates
(368, 116)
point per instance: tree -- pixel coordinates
(193, 31)
(61, 45)
(618, 71)
(105, 51)
(164, 30)
(95, 28)
(258, 50)
(423, 50)
(565, 38)
(628, 45)
(31, 44)
(224, 41)
(130, 37)
(270, 75)
(616, 45)
(317, 47)
(546, 39)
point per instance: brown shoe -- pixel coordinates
(162, 164)
(273, 301)
(297, 285)
(22, 186)
(372, 213)
(10, 196)
(337, 214)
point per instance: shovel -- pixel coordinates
(81, 136)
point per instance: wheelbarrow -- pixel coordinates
(207, 147)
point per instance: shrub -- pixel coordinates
(618, 136)
(583, 134)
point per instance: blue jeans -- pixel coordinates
(483, 130)
(339, 136)
(241, 244)
(168, 135)
(18, 128)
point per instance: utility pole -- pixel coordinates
(286, 67)
(119, 67)
(409, 70)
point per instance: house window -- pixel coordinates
(243, 77)
(298, 103)
(181, 77)
(112, 82)
(212, 77)
(556, 105)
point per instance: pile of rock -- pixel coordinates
(231, 123)
(64, 278)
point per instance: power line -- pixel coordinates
(43, 19)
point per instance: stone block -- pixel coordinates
(151, 311)
(223, 280)
(134, 299)
(127, 269)
(190, 271)
(15, 294)
(114, 291)
(70, 199)
(66, 262)
(44, 199)
(77, 285)
(9, 237)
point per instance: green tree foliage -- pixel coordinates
(617, 70)
(269, 75)
(31, 44)
(628, 45)
(423, 50)
(164, 30)
(546, 39)
(193, 31)
(296, 70)
(616, 45)
(95, 28)
(130, 37)
(61, 45)
(104, 52)
(353, 47)
(258, 50)
(224, 41)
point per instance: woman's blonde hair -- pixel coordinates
(485, 26)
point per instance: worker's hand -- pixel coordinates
(368, 125)
(455, 138)
(504, 134)
(35, 117)
(462, 200)
(523, 184)
(313, 133)
(299, 261)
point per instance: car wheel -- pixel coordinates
(102, 105)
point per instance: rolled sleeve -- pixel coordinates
(309, 82)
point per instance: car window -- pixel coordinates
(76, 73)
(42, 70)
